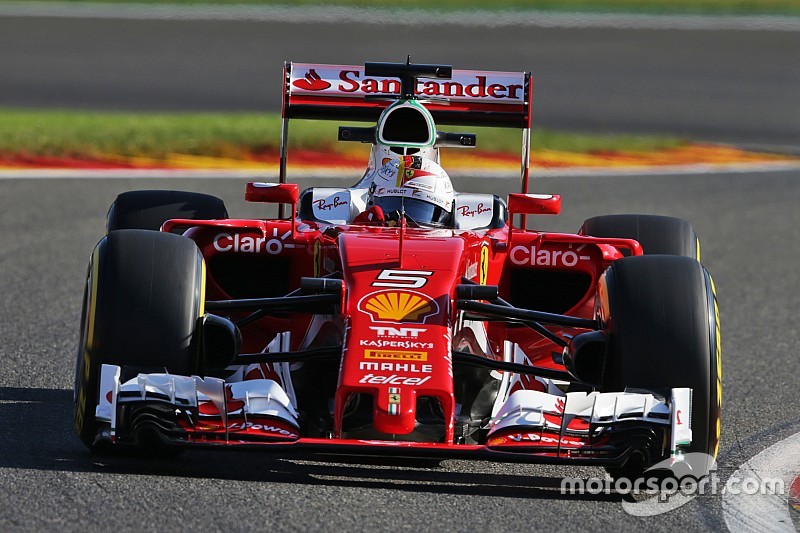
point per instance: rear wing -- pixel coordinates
(454, 97)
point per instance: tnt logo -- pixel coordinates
(406, 333)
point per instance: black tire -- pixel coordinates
(663, 327)
(657, 234)
(150, 209)
(144, 294)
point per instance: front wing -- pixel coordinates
(529, 427)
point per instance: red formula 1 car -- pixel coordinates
(398, 316)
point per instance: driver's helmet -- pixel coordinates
(416, 186)
(404, 128)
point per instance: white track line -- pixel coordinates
(328, 173)
(764, 512)
(409, 17)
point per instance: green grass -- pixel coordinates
(72, 133)
(77, 133)
(649, 6)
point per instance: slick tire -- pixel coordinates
(144, 294)
(150, 209)
(661, 317)
(657, 234)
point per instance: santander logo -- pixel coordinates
(465, 85)
(311, 82)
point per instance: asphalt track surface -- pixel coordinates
(48, 481)
(733, 85)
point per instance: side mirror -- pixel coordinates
(534, 204)
(355, 134)
(455, 140)
(275, 193)
(272, 193)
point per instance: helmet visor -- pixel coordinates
(419, 211)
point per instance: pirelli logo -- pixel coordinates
(396, 355)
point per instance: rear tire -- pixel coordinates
(662, 322)
(150, 209)
(657, 234)
(144, 294)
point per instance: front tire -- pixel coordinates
(144, 295)
(662, 321)
(150, 209)
(657, 234)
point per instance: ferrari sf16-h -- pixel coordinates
(399, 316)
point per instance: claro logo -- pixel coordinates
(530, 255)
(225, 242)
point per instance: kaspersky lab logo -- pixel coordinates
(398, 306)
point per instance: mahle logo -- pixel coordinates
(398, 306)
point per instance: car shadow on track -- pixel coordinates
(39, 436)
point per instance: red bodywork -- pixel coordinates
(398, 324)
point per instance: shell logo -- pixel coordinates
(398, 306)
